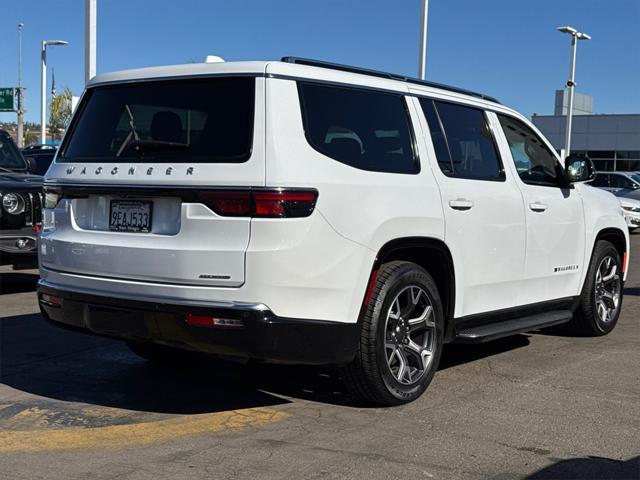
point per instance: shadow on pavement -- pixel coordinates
(590, 468)
(17, 282)
(457, 354)
(50, 362)
(632, 291)
(43, 360)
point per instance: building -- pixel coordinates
(612, 141)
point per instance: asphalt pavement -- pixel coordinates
(534, 406)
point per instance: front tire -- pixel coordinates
(601, 297)
(401, 337)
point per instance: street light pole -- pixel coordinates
(90, 25)
(20, 110)
(575, 36)
(43, 93)
(422, 60)
(43, 86)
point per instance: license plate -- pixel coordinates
(130, 216)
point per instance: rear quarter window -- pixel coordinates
(364, 129)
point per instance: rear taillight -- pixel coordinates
(276, 203)
(51, 300)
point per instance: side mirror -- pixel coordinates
(32, 166)
(579, 169)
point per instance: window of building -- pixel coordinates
(601, 154)
(535, 163)
(462, 140)
(360, 128)
(603, 165)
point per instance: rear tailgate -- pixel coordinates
(127, 190)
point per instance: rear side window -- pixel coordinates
(189, 120)
(363, 129)
(9, 155)
(462, 140)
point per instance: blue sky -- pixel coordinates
(505, 48)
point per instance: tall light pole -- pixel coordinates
(43, 86)
(422, 60)
(90, 26)
(20, 110)
(575, 36)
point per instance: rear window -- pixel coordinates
(360, 128)
(193, 120)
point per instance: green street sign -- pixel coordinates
(7, 97)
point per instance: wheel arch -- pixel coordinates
(434, 256)
(616, 237)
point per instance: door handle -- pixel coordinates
(461, 204)
(538, 207)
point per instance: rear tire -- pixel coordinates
(161, 354)
(601, 297)
(401, 337)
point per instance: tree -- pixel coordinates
(60, 114)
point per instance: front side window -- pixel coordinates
(622, 181)
(462, 140)
(535, 163)
(363, 129)
(189, 120)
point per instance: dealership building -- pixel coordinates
(612, 141)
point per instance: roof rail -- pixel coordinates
(378, 73)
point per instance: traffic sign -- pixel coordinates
(7, 99)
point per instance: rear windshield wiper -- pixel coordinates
(132, 135)
(155, 145)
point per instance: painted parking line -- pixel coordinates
(119, 436)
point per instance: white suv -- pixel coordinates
(305, 212)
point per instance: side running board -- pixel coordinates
(492, 331)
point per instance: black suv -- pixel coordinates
(20, 206)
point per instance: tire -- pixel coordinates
(388, 339)
(590, 318)
(161, 354)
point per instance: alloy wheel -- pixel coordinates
(410, 332)
(608, 286)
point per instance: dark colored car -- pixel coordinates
(20, 206)
(621, 184)
(39, 157)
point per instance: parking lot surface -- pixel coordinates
(535, 406)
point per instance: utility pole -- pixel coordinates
(90, 27)
(43, 93)
(422, 60)
(20, 110)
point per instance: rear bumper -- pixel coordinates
(262, 336)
